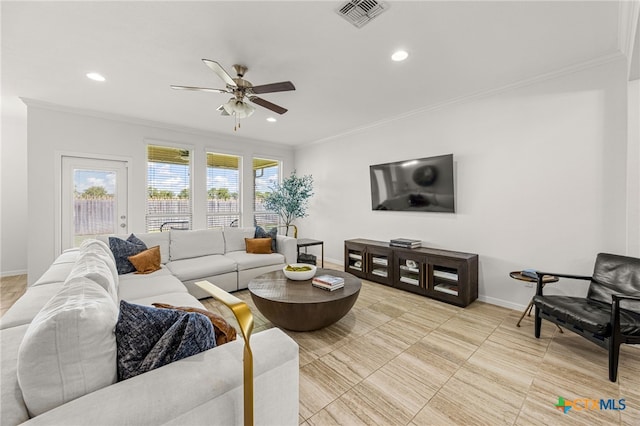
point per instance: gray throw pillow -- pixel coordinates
(148, 338)
(122, 249)
(261, 233)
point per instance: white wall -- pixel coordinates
(633, 167)
(540, 176)
(53, 130)
(13, 190)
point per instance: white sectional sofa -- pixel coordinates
(57, 345)
(216, 255)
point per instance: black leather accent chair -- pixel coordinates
(610, 314)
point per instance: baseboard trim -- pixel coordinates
(4, 274)
(502, 302)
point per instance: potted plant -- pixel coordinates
(290, 199)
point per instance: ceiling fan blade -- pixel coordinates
(200, 89)
(268, 105)
(217, 68)
(283, 86)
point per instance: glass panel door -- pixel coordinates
(94, 199)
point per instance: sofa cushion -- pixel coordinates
(200, 267)
(249, 260)
(272, 233)
(29, 304)
(148, 337)
(162, 239)
(182, 298)
(189, 244)
(13, 410)
(149, 285)
(96, 268)
(150, 239)
(258, 245)
(234, 238)
(163, 271)
(69, 349)
(56, 273)
(147, 261)
(67, 256)
(122, 249)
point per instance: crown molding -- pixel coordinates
(571, 69)
(35, 103)
(628, 12)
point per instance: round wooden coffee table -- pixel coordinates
(297, 305)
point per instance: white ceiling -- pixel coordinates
(344, 77)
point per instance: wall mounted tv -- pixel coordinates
(424, 184)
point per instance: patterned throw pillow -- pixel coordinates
(261, 233)
(122, 249)
(147, 261)
(148, 338)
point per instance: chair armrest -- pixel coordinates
(616, 297)
(541, 274)
(245, 320)
(615, 311)
(575, 277)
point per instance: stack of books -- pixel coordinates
(405, 242)
(328, 282)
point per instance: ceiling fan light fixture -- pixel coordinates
(229, 106)
(238, 108)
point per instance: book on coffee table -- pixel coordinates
(330, 280)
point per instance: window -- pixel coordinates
(168, 188)
(266, 173)
(223, 190)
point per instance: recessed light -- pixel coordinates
(95, 76)
(399, 55)
(271, 120)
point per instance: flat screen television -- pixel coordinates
(424, 184)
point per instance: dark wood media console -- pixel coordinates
(448, 276)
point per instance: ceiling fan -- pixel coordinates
(242, 91)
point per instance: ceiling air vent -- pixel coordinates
(361, 12)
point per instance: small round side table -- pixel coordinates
(517, 275)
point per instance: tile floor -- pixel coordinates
(402, 359)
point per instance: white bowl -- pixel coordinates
(299, 275)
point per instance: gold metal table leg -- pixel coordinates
(245, 320)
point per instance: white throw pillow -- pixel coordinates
(96, 246)
(190, 244)
(95, 267)
(234, 238)
(69, 349)
(101, 249)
